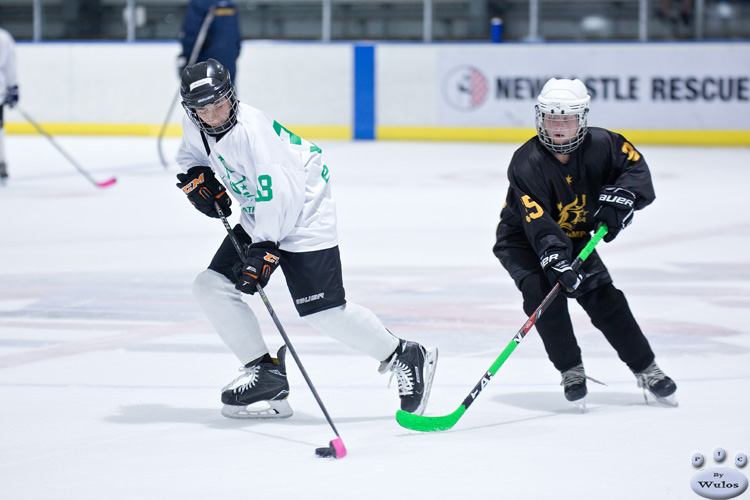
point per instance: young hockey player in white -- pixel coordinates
(287, 218)
(8, 90)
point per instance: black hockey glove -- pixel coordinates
(11, 96)
(557, 267)
(616, 207)
(261, 259)
(203, 188)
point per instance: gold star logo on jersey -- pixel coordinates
(569, 179)
(572, 213)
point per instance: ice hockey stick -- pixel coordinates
(442, 423)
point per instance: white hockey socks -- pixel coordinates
(238, 327)
(357, 328)
(232, 318)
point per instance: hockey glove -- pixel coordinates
(557, 267)
(202, 189)
(616, 207)
(11, 96)
(261, 259)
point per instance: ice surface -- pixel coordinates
(110, 376)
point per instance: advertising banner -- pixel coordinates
(632, 86)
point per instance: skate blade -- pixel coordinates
(430, 362)
(580, 405)
(274, 410)
(669, 401)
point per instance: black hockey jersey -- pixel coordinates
(551, 205)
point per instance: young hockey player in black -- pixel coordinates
(563, 183)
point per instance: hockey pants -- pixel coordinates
(609, 312)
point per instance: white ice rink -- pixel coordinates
(110, 376)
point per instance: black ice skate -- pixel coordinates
(414, 368)
(661, 387)
(574, 385)
(3, 173)
(263, 381)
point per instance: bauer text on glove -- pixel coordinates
(616, 207)
(203, 189)
(261, 259)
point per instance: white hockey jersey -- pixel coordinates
(278, 180)
(7, 63)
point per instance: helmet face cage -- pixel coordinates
(191, 107)
(545, 113)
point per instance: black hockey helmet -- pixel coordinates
(205, 84)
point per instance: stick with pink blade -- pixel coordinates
(84, 172)
(335, 448)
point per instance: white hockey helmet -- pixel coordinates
(558, 100)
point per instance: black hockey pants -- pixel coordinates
(609, 312)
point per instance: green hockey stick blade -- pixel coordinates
(445, 422)
(428, 424)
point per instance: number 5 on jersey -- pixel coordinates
(529, 204)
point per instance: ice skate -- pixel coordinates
(655, 382)
(3, 173)
(414, 368)
(260, 392)
(574, 385)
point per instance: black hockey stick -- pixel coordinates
(445, 422)
(197, 46)
(83, 172)
(335, 448)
